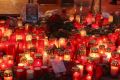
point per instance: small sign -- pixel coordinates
(58, 66)
(31, 13)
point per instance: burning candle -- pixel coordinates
(38, 61)
(21, 65)
(83, 32)
(10, 63)
(26, 27)
(88, 77)
(19, 37)
(76, 73)
(19, 22)
(71, 18)
(8, 78)
(46, 43)
(114, 70)
(81, 68)
(89, 68)
(3, 66)
(45, 58)
(8, 75)
(1, 60)
(108, 54)
(62, 42)
(67, 57)
(28, 37)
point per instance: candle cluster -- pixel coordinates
(30, 49)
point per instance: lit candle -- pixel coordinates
(20, 65)
(19, 22)
(81, 67)
(19, 37)
(89, 68)
(108, 55)
(88, 77)
(26, 27)
(46, 43)
(67, 57)
(114, 70)
(10, 63)
(45, 58)
(3, 66)
(62, 42)
(1, 60)
(8, 78)
(8, 75)
(38, 61)
(83, 32)
(28, 37)
(76, 74)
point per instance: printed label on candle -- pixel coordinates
(58, 66)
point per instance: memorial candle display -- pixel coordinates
(80, 42)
